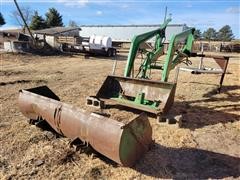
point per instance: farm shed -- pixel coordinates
(14, 41)
(51, 34)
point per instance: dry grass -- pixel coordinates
(206, 147)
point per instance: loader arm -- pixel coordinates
(187, 38)
(138, 39)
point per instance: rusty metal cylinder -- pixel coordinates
(122, 143)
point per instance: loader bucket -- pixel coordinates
(151, 96)
(122, 143)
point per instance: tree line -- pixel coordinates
(224, 34)
(54, 19)
(34, 20)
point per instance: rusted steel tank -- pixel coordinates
(122, 143)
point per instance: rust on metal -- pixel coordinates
(122, 143)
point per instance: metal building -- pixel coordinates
(124, 33)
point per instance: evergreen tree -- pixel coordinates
(225, 33)
(37, 22)
(2, 21)
(210, 34)
(197, 34)
(53, 18)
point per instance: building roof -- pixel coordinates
(12, 30)
(125, 33)
(13, 36)
(133, 25)
(56, 30)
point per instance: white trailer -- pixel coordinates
(93, 44)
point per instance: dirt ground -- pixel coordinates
(207, 146)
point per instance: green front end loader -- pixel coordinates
(140, 91)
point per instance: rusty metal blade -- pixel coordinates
(123, 143)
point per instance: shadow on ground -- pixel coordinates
(22, 82)
(196, 116)
(225, 90)
(163, 162)
(166, 162)
(182, 163)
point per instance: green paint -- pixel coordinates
(130, 144)
(139, 98)
(127, 146)
(150, 61)
(150, 104)
(138, 39)
(170, 61)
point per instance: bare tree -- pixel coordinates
(72, 24)
(27, 14)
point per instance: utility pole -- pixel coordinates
(25, 23)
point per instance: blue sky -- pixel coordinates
(199, 14)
